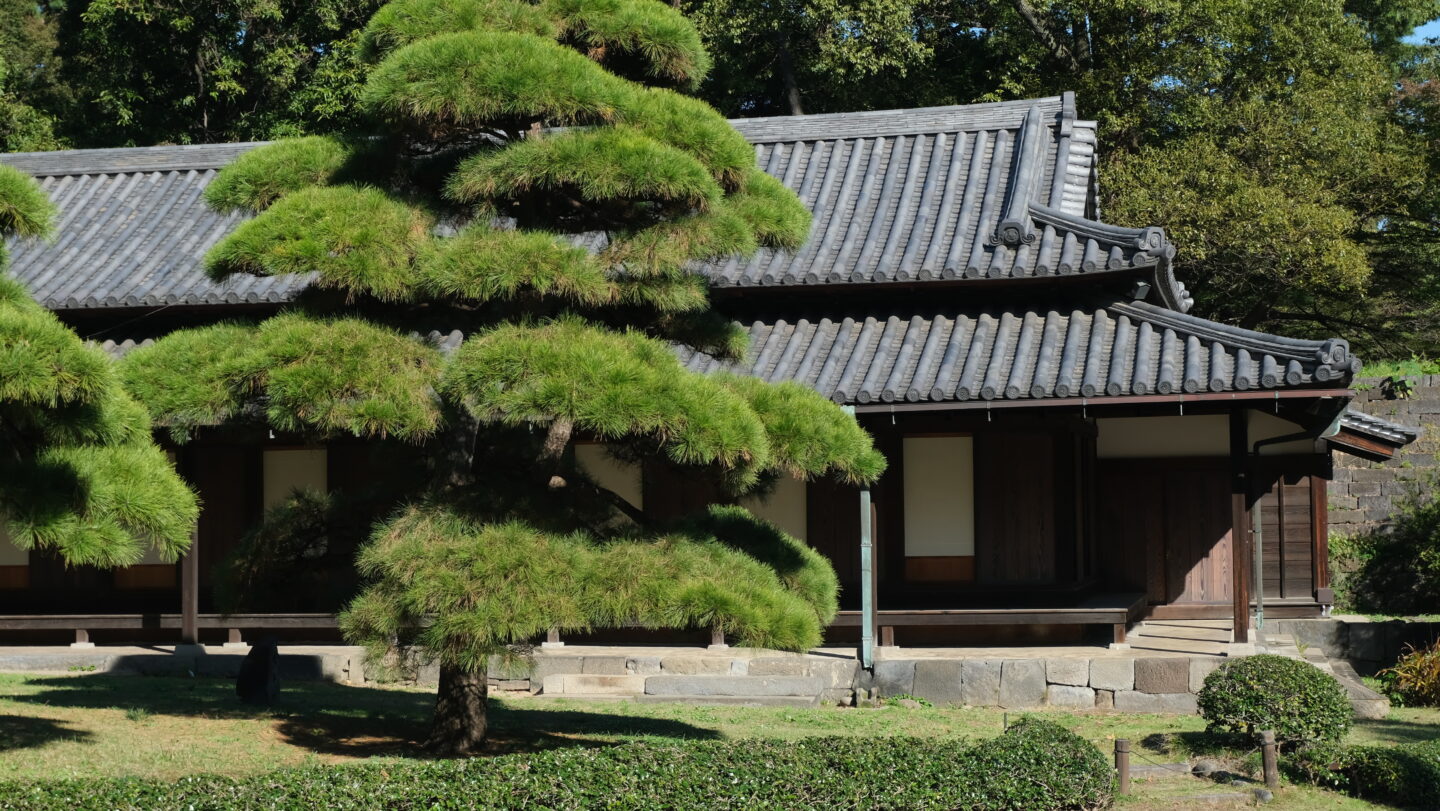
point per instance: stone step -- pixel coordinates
(593, 685)
(738, 701)
(740, 686)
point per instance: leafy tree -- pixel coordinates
(79, 472)
(178, 71)
(540, 185)
(29, 88)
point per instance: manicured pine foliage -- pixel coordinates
(535, 179)
(79, 473)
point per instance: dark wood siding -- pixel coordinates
(1015, 504)
(1164, 526)
(832, 527)
(1287, 540)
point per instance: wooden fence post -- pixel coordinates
(1267, 751)
(1122, 763)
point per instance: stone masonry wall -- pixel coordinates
(1364, 495)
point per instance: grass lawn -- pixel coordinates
(97, 725)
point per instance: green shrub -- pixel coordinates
(1035, 765)
(1394, 570)
(1266, 692)
(1415, 679)
(1407, 775)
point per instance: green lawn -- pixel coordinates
(88, 725)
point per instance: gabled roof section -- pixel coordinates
(1097, 351)
(1370, 437)
(967, 194)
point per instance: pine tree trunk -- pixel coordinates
(459, 725)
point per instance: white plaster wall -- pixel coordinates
(10, 554)
(1264, 426)
(939, 496)
(785, 507)
(622, 479)
(1196, 435)
(1159, 437)
(286, 471)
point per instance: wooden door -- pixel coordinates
(1287, 540)
(1165, 529)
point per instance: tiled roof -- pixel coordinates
(1378, 427)
(1121, 348)
(973, 192)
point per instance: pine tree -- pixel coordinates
(536, 180)
(80, 474)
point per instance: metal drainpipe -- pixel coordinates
(867, 586)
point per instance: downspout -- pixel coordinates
(867, 586)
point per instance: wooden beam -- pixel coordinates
(1240, 525)
(190, 592)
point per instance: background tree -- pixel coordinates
(539, 184)
(79, 472)
(175, 71)
(30, 91)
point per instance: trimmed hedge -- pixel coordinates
(1297, 700)
(1035, 765)
(1406, 775)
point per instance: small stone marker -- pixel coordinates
(259, 679)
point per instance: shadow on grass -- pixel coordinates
(22, 732)
(346, 720)
(1389, 730)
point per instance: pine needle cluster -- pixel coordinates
(79, 473)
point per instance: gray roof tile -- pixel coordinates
(898, 196)
(1121, 348)
(1378, 427)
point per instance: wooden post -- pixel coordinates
(552, 639)
(887, 636)
(1122, 764)
(1240, 524)
(190, 592)
(1267, 750)
(233, 639)
(717, 638)
(82, 639)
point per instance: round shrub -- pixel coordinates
(1035, 764)
(1296, 700)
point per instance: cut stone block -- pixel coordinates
(894, 677)
(1199, 669)
(643, 665)
(778, 667)
(980, 682)
(547, 665)
(730, 701)
(1074, 672)
(1112, 674)
(837, 696)
(739, 686)
(696, 665)
(1104, 699)
(604, 666)
(1168, 703)
(1066, 695)
(1022, 683)
(594, 685)
(939, 680)
(1162, 675)
(834, 672)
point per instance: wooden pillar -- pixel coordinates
(1240, 523)
(190, 592)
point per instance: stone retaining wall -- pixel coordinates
(1364, 495)
(1144, 684)
(1368, 646)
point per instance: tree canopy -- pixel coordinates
(533, 179)
(80, 475)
